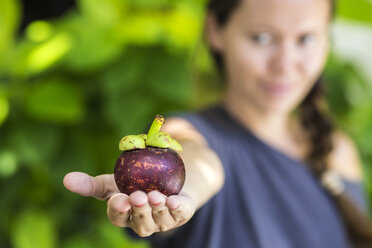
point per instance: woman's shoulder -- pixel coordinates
(182, 129)
(344, 158)
(206, 126)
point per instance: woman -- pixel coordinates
(255, 163)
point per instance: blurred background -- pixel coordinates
(77, 75)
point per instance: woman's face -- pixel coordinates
(273, 50)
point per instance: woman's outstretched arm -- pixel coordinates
(154, 212)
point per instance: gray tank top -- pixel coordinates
(269, 200)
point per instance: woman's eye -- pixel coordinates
(262, 39)
(307, 40)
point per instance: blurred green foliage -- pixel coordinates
(71, 87)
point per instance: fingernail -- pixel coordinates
(139, 206)
(175, 206)
(123, 211)
(156, 204)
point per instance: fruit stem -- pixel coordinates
(156, 125)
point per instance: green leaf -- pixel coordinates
(114, 237)
(359, 10)
(34, 144)
(129, 113)
(103, 12)
(150, 3)
(8, 163)
(34, 229)
(94, 48)
(45, 55)
(79, 242)
(184, 26)
(167, 77)
(55, 100)
(4, 108)
(143, 29)
(9, 19)
(124, 75)
(39, 31)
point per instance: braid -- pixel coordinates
(320, 130)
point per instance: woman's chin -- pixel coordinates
(277, 107)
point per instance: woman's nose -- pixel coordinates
(284, 61)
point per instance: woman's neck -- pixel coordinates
(279, 130)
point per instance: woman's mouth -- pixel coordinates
(276, 90)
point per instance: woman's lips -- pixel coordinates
(276, 90)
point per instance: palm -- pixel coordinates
(144, 213)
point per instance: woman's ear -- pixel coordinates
(213, 33)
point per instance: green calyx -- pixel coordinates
(154, 138)
(163, 140)
(132, 142)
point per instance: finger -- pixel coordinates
(118, 209)
(100, 187)
(181, 208)
(141, 220)
(160, 212)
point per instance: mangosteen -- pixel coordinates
(150, 162)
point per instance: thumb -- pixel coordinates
(100, 187)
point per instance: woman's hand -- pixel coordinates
(144, 213)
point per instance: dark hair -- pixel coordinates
(320, 130)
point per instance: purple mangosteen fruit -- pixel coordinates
(150, 162)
